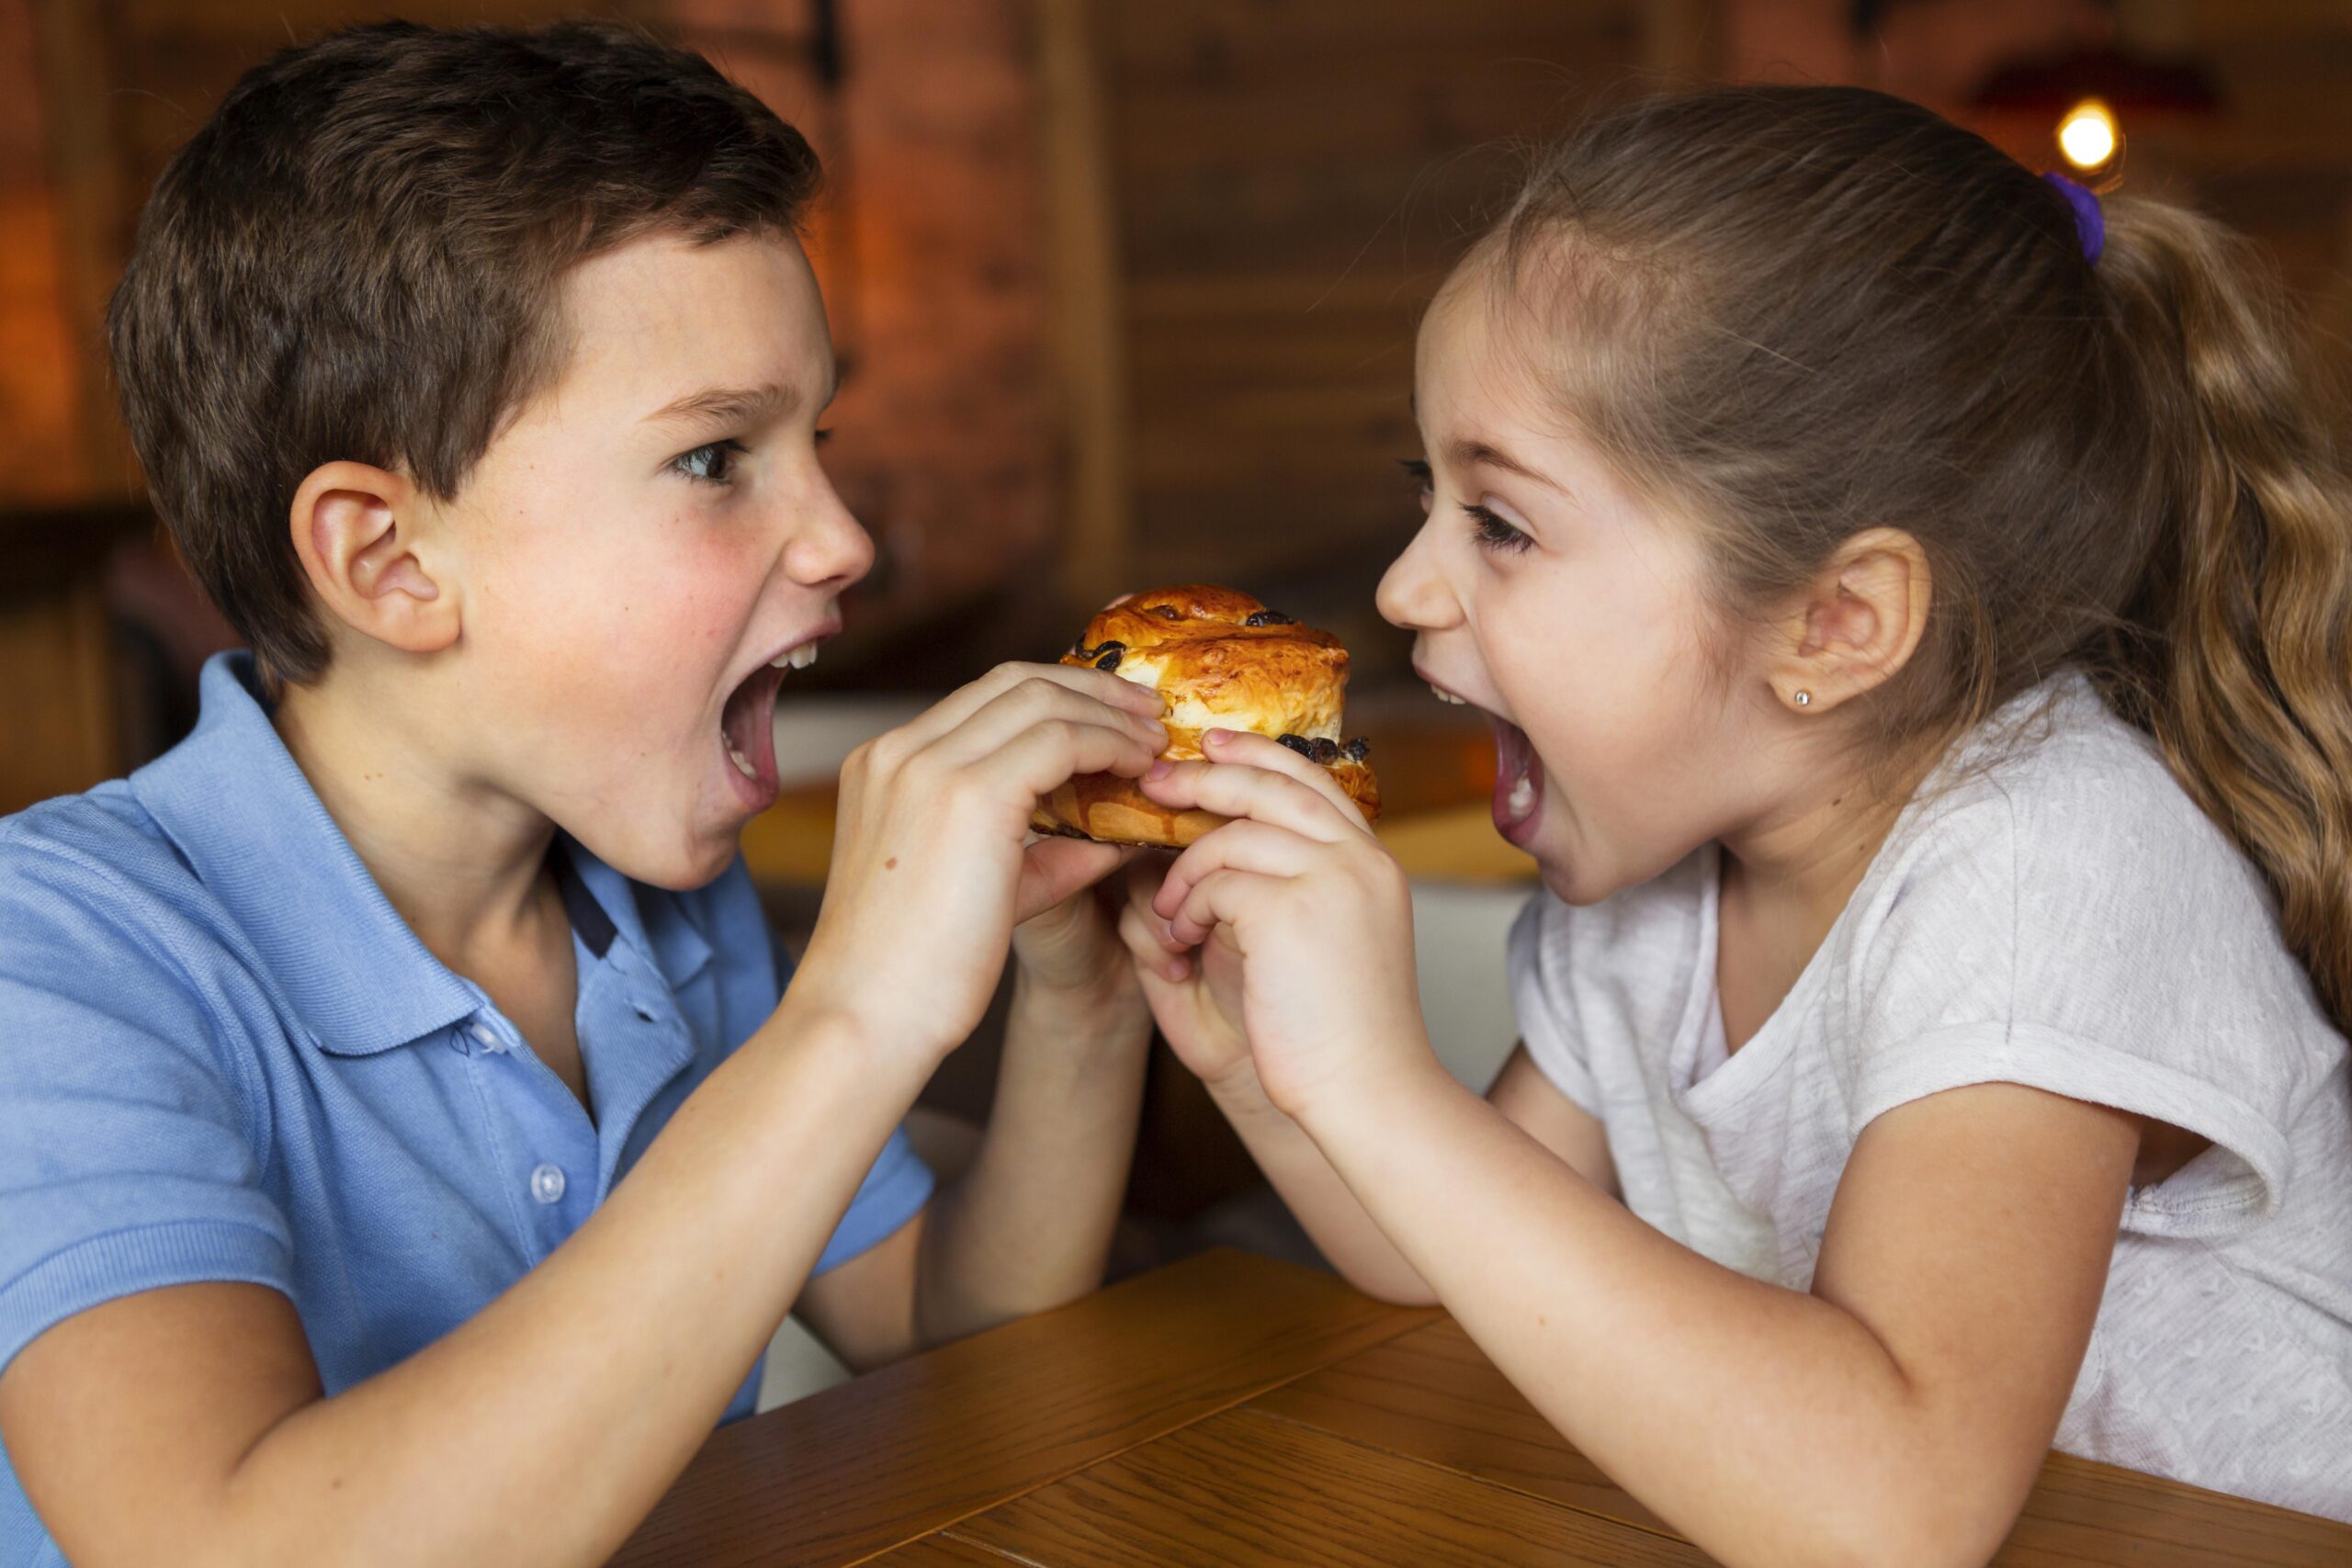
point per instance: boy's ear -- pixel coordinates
(357, 529)
(1859, 623)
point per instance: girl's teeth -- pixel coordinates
(743, 763)
(1521, 799)
(803, 656)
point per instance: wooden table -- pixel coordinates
(1234, 1410)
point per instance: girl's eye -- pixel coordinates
(1492, 532)
(713, 464)
(1419, 472)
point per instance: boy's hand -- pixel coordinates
(932, 867)
(1302, 923)
(1073, 947)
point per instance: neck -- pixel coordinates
(464, 864)
(1800, 864)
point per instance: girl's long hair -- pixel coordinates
(1798, 313)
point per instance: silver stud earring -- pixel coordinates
(1805, 699)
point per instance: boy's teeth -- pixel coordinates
(1445, 697)
(743, 763)
(797, 659)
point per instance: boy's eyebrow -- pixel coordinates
(726, 405)
(1471, 453)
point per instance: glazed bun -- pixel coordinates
(1221, 660)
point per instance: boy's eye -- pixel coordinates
(713, 464)
(1419, 472)
(1492, 532)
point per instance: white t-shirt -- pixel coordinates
(2052, 910)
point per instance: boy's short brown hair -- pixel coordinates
(357, 257)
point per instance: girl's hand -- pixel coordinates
(1303, 923)
(933, 865)
(1195, 994)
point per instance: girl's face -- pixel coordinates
(1575, 616)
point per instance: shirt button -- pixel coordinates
(547, 1184)
(488, 1040)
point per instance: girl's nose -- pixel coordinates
(1413, 593)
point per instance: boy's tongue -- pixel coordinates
(1518, 782)
(747, 724)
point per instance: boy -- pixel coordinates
(477, 375)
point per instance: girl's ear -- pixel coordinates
(357, 530)
(1859, 622)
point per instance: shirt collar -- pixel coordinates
(232, 800)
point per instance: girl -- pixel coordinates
(1913, 603)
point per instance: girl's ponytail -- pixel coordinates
(2236, 650)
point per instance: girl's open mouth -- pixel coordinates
(1518, 782)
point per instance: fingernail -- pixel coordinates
(1159, 770)
(1216, 737)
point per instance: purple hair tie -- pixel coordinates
(2090, 221)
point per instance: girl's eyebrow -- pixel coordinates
(1469, 453)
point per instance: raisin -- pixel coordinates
(1326, 753)
(1167, 612)
(1356, 750)
(1107, 656)
(1268, 618)
(1298, 743)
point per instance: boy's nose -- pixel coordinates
(833, 550)
(1413, 593)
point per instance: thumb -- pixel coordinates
(1054, 868)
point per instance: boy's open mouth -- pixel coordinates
(747, 724)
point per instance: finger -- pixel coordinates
(1243, 845)
(1257, 751)
(1144, 880)
(1223, 897)
(1260, 794)
(1034, 701)
(965, 701)
(1053, 869)
(1037, 760)
(1144, 936)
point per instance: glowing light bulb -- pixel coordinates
(2087, 136)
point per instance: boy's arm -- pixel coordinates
(1026, 1225)
(186, 1425)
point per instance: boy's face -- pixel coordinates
(642, 545)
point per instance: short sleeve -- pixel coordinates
(127, 1157)
(2086, 931)
(894, 1191)
(1540, 998)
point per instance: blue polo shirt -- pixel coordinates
(224, 1056)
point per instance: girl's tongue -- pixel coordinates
(1519, 784)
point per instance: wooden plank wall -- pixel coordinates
(1293, 179)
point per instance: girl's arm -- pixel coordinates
(187, 1425)
(1897, 1413)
